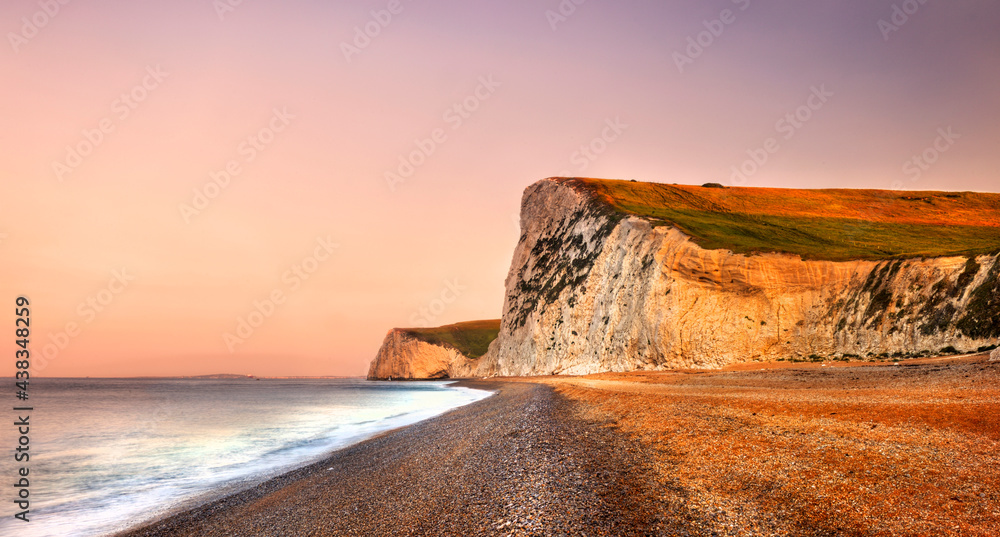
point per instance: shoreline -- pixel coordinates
(266, 481)
(474, 470)
(807, 450)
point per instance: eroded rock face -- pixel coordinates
(995, 355)
(403, 356)
(590, 290)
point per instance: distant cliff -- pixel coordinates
(619, 276)
(449, 351)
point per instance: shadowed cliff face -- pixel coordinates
(591, 289)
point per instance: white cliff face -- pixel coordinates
(590, 291)
(403, 356)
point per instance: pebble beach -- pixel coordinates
(863, 449)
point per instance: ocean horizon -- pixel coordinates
(111, 453)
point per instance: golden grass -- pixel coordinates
(833, 224)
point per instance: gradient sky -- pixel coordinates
(442, 239)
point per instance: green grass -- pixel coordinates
(470, 338)
(835, 225)
(834, 239)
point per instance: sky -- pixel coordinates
(267, 187)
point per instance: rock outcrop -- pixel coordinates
(593, 289)
(404, 356)
(450, 351)
(995, 355)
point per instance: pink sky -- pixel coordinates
(311, 132)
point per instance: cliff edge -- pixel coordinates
(621, 276)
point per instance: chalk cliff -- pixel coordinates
(594, 288)
(403, 356)
(450, 351)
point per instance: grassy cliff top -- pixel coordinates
(471, 338)
(830, 224)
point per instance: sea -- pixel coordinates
(108, 454)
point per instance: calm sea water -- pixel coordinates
(109, 453)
